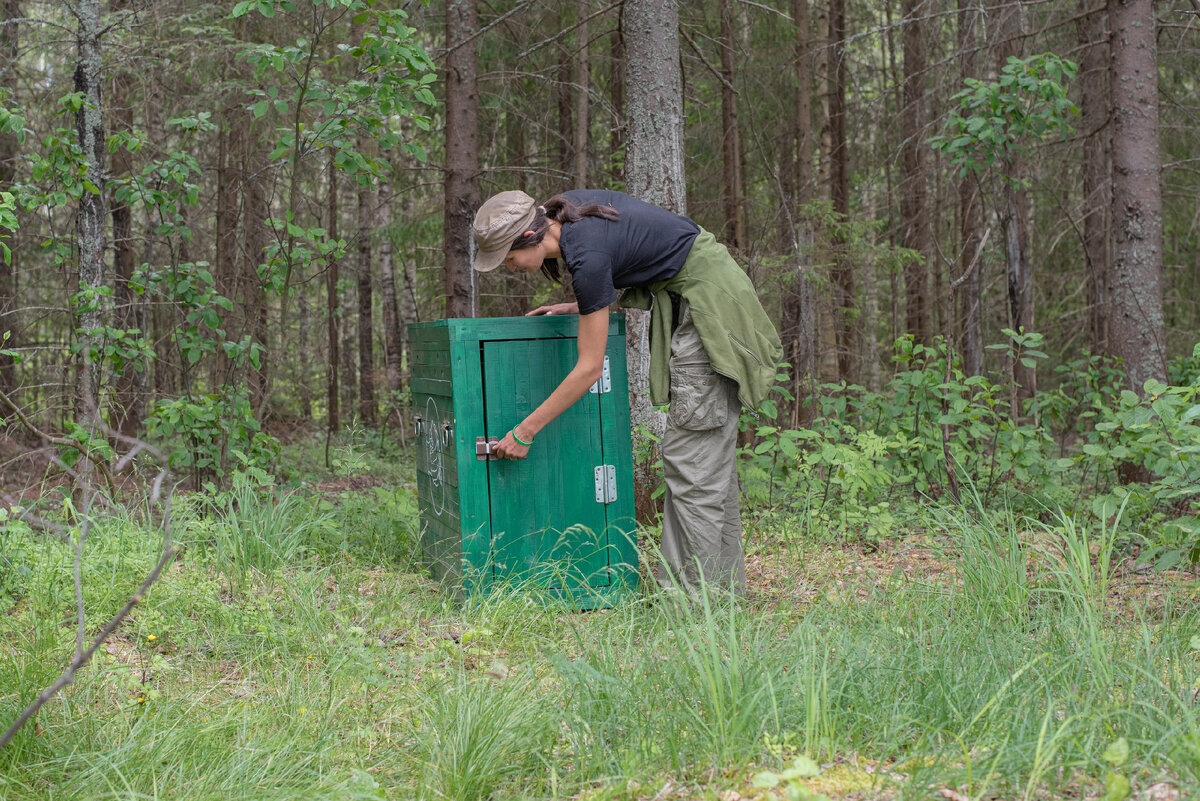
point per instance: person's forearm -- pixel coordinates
(572, 388)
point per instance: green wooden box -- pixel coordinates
(559, 522)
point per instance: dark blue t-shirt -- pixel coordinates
(647, 244)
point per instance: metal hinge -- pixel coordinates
(605, 382)
(606, 483)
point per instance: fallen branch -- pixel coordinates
(169, 551)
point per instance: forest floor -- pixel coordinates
(268, 664)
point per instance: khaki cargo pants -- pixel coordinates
(702, 526)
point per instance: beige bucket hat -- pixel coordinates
(498, 223)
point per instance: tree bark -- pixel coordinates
(1093, 109)
(616, 141)
(731, 149)
(462, 157)
(583, 76)
(563, 138)
(10, 47)
(798, 327)
(1136, 300)
(914, 218)
(392, 335)
(970, 212)
(1014, 221)
(90, 218)
(654, 173)
(366, 345)
(845, 316)
(127, 411)
(333, 316)
(255, 239)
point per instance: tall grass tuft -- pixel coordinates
(991, 559)
(255, 528)
(476, 735)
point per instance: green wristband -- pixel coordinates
(518, 439)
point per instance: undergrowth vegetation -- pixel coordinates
(295, 650)
(871, 462)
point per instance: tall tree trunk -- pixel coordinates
(616, 81)
(10, 42)
(799, 303)
(366, 302)
(845, 325)
(1136, 310)
(1093, 106)
(583, 82)
(1014, 221)
(462, 157)
(333, 316)
(90, 219)
(563, 138)
(914, 217)
(653, 172)
(731, 150)
(255, 239)
(970, 210)
(127, 411)
(393, 339)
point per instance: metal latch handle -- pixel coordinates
(484, 449)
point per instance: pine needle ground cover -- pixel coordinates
(295, 651)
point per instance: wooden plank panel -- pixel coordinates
(472, 474)
(547, 526)
(618, 450)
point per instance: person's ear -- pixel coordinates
(528, 233)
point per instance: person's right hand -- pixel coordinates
(554, 308)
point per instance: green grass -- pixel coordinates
(311, 661)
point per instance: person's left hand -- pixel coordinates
(554, 308)
(509, 448)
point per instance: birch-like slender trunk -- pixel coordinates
(90, 221)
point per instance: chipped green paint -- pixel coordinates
(534, 523)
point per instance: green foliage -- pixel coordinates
(1160, 433)
(8, 223)
(794, 789)
(211, 433)
(1002, 118)
(866, 451)
(390, 72)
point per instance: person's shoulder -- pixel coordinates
(603, 197)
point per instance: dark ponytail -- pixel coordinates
(559, 209)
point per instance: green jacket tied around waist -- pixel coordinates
(739, 338)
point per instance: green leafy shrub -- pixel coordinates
(1159, 432)
(210, 434)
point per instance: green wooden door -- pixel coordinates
(547, 526)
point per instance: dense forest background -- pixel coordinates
(225, 214)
